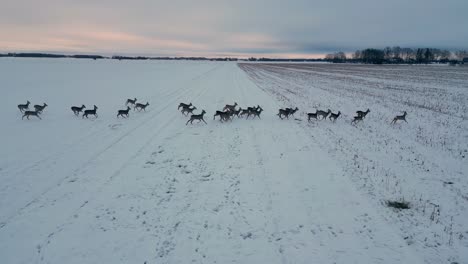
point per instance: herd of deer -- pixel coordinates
(230, 111)
(24, 108)
(226, 114)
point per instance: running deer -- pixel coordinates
(140, 107)
(255, 113)
(230, 107)
(197, 117)
(287, 112)
(31, 113)
(184, 105)
(283, 113)
(244, 112)
(357, 119)
(90, 112)
(40, 108)
(399, 117)
(323, 114)
(222, 115)
(76, 110)
(23, 107)
(333, 116)
(363, 113)
(292, 111)
(187, 110)
(130, 101)
(312, 115)
(236, 112)
(123, 113)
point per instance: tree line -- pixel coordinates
(398, 55)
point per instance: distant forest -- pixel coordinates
(388, 55)
(397, 55)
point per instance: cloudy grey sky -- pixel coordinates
(275, 28)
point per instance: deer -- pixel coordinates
(292, 111)
(31, 113)
(184, 105)
(130, 101)
(140, 107)
(230, 107)
(287, 112)
(76, 110)
(23, 107)
(123, 113)
(323, 114)
(222, 115)
(333, 116)
(255, 113)
(90, 112)
(40, 108)
(197, 117)
(283, 112)
(187, 110)
(357, 119)
(363, 113)
(244, 112)
(399, 117)
(236, 112)
(312, 115)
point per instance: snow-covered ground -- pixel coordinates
(149, 189)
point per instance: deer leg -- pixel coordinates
(39, 117)
(204, 121)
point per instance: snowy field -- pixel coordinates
(149, 189)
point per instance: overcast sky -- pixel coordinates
(274, 28)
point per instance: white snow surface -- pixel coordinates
(149, 189)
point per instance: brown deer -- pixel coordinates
(184, 105)
(197, 117)
(187, 110)
(357, 119)
(31, 113)
(255, 113)
(130, 101)
(223, 115)
(123, 113)
(244, 112)
(236, 112)
(40, 108)
(323, 114)
(312, 115)
(90, 112)
(76, 110)
(399, 117)
(363, 113)
(292, 111)
(23, 107)
(230, 107)
(140, 107)
(283, 113)
(333, 116)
